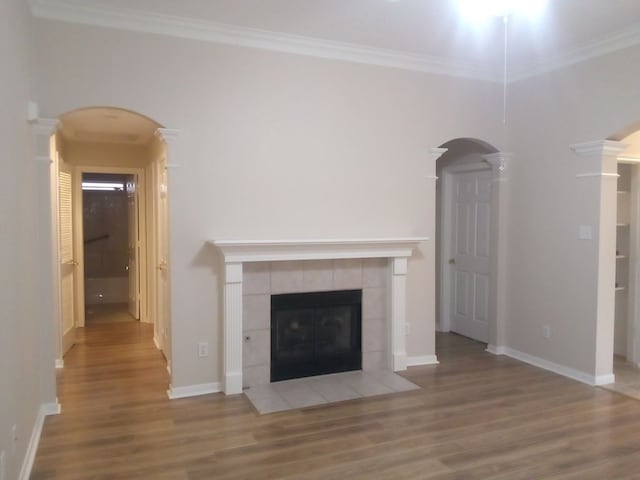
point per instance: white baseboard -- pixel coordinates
(605, 379)
(572, 373)
(59, 363)
(45, 410)
(155, 340)
(496, 350)
(422, 360)
(193, 390)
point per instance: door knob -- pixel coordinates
(452, 261)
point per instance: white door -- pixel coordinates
(66, 256)
(469, 253)
(133, 247)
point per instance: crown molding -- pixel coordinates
(133, 20)
(75, 11)
(619, 40)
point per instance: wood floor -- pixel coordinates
(477, 416)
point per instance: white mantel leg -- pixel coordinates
(398, 337)
(233, 329)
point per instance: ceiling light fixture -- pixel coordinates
(477, 11)
(480, 10)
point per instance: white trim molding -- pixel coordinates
(193, 390)
(598, 148)
(89, 13)
(563, 370)
(496, 350)
(237, 252)
(280, 250)
(499, 161)
(59, 363)
(422, 360)
(633, 159)
(597, 175)
(45, 410)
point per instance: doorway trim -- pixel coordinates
(498, 310)
(79, 171)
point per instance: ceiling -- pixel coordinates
(107, 125)
(427, 30)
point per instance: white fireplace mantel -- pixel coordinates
(237, 252)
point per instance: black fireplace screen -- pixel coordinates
(315, 333)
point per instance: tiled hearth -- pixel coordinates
(337, 387)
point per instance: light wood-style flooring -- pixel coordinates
(477, 416)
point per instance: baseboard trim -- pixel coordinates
(563, 370)
(605, 379)
(59, 363)
(422, 360)
(193, 390)
(155, 341)
(496, 350)
(45, 410)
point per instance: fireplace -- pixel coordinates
(315, 333)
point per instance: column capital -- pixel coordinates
(45, 126)
(499, 161)
(167, 135)
(437, 152)
(233, 272)
(599, 148)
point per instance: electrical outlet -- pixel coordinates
(203, 349)
(546, 331)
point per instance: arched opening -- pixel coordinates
(110, 240)
(468, 214)
(626, 317)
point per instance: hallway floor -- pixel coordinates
(108, 313)
(476, 416)
(627, 378)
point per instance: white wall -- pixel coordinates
(552, 273)
(272, 146)
(22, 388)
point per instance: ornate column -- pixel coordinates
(600, 197)
(498, 267)
(49, 296)
(398, 337)
(232, 328)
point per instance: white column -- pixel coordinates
(398, 337)
(498, 268)
(233, 328)
(48, 299)
(601, 173)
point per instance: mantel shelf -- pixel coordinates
(237, 251)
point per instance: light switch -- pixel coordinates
(584, 232)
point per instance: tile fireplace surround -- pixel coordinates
(347, 257)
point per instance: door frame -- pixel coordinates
(446, 208)
(145, 297)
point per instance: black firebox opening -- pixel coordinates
(315, 333)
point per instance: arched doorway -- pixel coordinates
(121, 154)
(471, 241)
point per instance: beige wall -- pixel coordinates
(273, 146)
(24, 335)
(552, 273)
